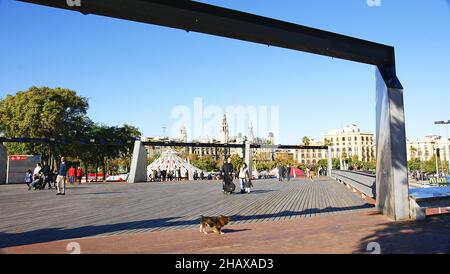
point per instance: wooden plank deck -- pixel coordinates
(28, 217)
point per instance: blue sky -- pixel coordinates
(136, 73)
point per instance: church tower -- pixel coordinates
(251, 136)
(225, 130)
(183, 134)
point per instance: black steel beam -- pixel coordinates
(288, 147)
(199, 145)
(86, 141)
(204, 18)
(92, 141)
(211, 145)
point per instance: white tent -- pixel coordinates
(170, 161)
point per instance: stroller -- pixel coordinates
(228, 186)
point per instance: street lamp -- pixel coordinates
(446, 123)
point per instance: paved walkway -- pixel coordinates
(349, 233)
(31, 217)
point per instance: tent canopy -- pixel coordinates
(171, 161)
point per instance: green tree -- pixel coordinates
(42, 112)
(306, 141)
(336, 163)
(414, 164)
(322, 163)
(205, 164)
(413, 151)
(430, 166)
(104, 155)
(237, 162)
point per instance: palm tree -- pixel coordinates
(413, 151)
(306, 141)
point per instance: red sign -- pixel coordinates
(18, 158)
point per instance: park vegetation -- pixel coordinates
(43, 112)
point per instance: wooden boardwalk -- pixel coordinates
(28, 217)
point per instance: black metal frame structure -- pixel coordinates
(204, 18)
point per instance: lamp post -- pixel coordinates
(447, 152)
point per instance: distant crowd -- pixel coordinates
(177, 175)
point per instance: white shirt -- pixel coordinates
(243, 173)
(37, 170)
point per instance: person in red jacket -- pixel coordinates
(72, 173)
(79, 175)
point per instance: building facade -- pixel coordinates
(352, 142)
(425, 148)
(311, 156)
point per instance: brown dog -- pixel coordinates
(216, 223)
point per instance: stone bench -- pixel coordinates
(424, 199)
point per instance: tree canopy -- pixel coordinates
(43, 112)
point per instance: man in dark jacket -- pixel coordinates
(61, 179)
(47, 175)
(288, 173)
(281, 171)
(227, 175)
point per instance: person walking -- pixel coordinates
(227, 174)
(54, 177)
(280, 173)
(61, 179)
(79, 175)
(311, 171)
(178, 174)
(243, 177)
(72, 172)
(47, 176)
(288, 173)
(29, 178)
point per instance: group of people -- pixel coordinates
(245, 179)
(43, 175)
(168, 175)
(284, 173)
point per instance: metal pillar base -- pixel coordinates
(3, 162)
(138, 171)
(392, 170)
